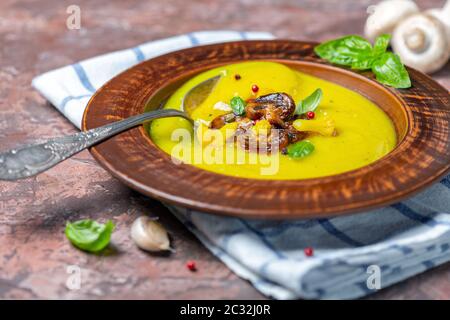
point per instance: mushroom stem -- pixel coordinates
(416, 40)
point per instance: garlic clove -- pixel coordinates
(385, 15)
(150, 235)
(421, 42)
(222, 106)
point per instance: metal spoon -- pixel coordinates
(34, 159)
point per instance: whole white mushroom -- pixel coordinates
(385, 15)
(423, 40)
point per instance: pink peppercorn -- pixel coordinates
(191, 265)
(308, 251)
(310, 115)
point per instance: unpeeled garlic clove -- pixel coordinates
(150, 235)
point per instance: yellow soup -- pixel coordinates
(364, 132)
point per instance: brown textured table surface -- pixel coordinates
(34, 254)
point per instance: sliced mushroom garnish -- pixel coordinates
(275, 108)
(220, 121)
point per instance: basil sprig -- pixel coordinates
(237, 104)
(356, 52)
(300, 149)
(310, 103)
(89, 235)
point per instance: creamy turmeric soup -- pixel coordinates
(314, 128)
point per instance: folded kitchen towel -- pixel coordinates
(351, 254)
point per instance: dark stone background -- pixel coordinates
(34, 253)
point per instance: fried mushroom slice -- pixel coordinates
(273, 141)
(219, 121)
(293, 134)
(266, 125)
(275, 108)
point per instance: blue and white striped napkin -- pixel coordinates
(399, 241)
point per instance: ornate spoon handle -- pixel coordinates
(34, 159)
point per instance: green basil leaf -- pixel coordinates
(356, 52)
(89, 235)
(390, 71)
(364, 63)
(299, 108)
(310, 103)
(300, 149)
(237, 104)
(348, 51)
(381, 44)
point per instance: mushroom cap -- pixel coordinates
(421, 42)
(385, 16)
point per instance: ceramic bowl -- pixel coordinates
(421, 116)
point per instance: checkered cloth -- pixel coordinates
(395, 242)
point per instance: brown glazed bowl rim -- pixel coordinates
(421, 157)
